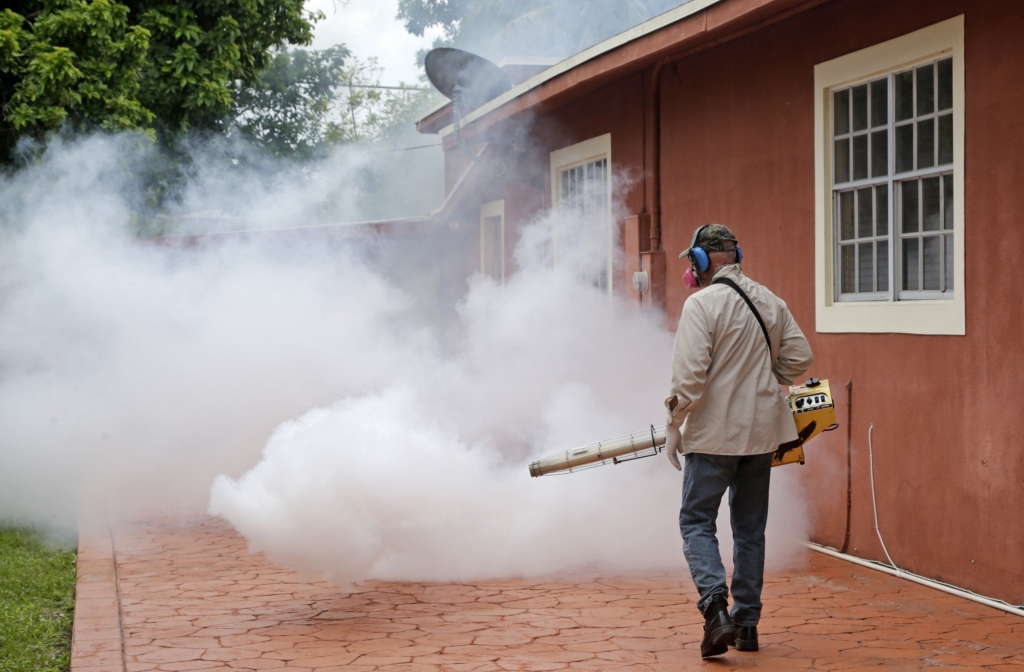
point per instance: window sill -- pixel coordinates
(922, 316)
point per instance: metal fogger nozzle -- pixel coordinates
(622, 449)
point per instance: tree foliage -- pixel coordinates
(419, 15)
(203, 49)
(288, 109)
(75, 64)
(306, 101)
(159, 65)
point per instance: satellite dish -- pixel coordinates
(460, 74)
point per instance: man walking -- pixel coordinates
(736, 343)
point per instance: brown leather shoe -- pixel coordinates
(719, 631)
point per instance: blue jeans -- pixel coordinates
(705, 480)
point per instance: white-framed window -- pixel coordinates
(581, 191)
(892, 139)
(492, 240)
(889, 186)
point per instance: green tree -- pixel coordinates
(201, 51)
(76, 64)
(288, 109)
(306, 101)
(158, 65)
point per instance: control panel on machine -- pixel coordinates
(809, 402)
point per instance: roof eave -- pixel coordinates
(434, 119)
(686, 27)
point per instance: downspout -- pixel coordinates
(645, 228)
(652, 197)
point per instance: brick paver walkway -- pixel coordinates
(189, 597)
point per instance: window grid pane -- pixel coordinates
(910, 210)
(932, 263)
(848, 269)
(865, 212)
(948, 263)
(947, 202)
(926, 143)
(882, 210)
(879, 103)
(846, 215)
(905, 148)
(841, 108)
(879, 153)
(930, 203)
(945, 139)
(860, 107)
(927, 255)
(860, 124)
(911, 270)
(865, 269)
(904, 86)
(860, 157)
(925, 91)
(882, 266)
(869, 142)
(924, 124)
(862, 226)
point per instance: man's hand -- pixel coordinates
(673, 444)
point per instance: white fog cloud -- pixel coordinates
(345, 423)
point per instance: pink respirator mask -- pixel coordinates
(690, 280)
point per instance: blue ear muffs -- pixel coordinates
(739, 254)
(696, 255)
(700, 259)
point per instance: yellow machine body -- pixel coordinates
(813, 412)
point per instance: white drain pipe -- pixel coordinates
(917, 578)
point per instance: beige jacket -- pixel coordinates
(725, 386)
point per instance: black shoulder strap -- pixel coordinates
(750, 304)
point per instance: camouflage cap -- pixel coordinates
(713, 238)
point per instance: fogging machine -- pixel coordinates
(813, 412)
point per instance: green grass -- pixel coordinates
(37, 601)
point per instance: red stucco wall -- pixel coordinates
(738, 148)
(949, 432)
